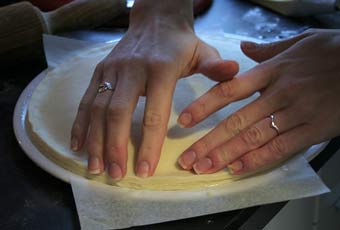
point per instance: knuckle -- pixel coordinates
(115, 150)
(200, 109)
(281, 94)
(265, 158)
(147, 148)
(220, 156)
(252, 137)
(270, 68)
(94, 147)
(148, 60)
(91, 145)
(118, 105)
(152, 120)
(292, 87)
(156, 61)
(225, 89)
(201, 147)
(117, 112)
(284, 95)
(114, 114)
(233, 124)
(135, 59)
(97, 109)
(278, 147)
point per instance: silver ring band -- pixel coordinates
(273, 125)
(104, 87)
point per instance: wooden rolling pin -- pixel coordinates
(22, 25)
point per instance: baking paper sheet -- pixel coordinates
(105, 207)
(102, 206)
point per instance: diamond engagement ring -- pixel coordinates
(273, 125)
(105, 86)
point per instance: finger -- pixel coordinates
(119, 116)
(224, 93)
(157, 110)
(81, 122)
(95, 139)
(231, 126)
(262, 52)
(250, 139)
(210, 63)
(275, 151)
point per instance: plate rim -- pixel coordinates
(29, 148)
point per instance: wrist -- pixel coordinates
(176, 14)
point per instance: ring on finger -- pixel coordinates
(104, 87)
(273, 125)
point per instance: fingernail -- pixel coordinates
(143, 169)
(74, 144)
(184, 119)
(94, 165)
(202, 165)
(187, 159)
(249, 45)
(235, 167)
(115, 171)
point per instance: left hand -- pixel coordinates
(299, 83)
(159, 48)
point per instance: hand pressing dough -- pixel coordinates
(54, 105)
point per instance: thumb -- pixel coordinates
(210, 63)
(262, 52)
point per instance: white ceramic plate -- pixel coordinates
(20, 129)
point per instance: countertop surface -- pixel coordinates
(30, 198)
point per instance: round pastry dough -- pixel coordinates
(54, 104)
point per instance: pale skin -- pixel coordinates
(299, 82)
(159, 48)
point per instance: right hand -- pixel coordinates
(159, 48)
(298, 81)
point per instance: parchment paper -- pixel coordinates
(102, 206)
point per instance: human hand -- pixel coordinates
(299, 82)
(159, 48)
